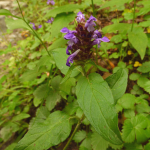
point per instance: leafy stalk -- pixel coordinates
(32, 29)
(133, 16)
(75, 130)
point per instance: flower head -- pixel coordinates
(35, 27)
(50, 2)
(81, 41)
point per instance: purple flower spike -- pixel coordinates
(80, 17)
(68, 36)
(98, 41)
(40, 26)
(50, 2)
(90, 24)
(71, 57)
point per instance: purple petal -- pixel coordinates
(104, 39)
(40, 26)
(69, 36)
(52, 2)
(52, 19)
(80, 17)
(97, 34)
(71, 57)
(64, 30)
(49, 21)
(91, 19)
(67, 50)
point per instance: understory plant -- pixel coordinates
(65, 86)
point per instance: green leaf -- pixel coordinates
(66, 86)
(134, 76)
(71, 108)
(144, 23)
(118, 83)
(79, 136)
(121, 27)
(145, 67)
(133, 146)
(55, 82)
(46, 134)
(11, 146)
(139, 41)
(129, 113)
(98, 143)
(20, 117)
(29, 75)
(115, 4)
(52, 99)
(41, 92)
(127, 101)
(145, 9)
(96, 100)
(134, 127)
(86, 144)
(61, 20)
(60, 58)
(147, 146)
(5, 12)
(63, 9)
(68, 74)
(116, 38)
(15, 24)
(61, 42)
(99, 67)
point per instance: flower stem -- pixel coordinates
(93, 8)
(75, 130)
(133, 16)
(33, 30)
(96, 55)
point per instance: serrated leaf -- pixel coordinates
(134, 127)
(55, 82)
(79, 136)
(144, 68)
(66, 86)
(98, 143)
(60, 21)
(52, 99)
(118, 83)
(127, 101)
(41, 92)
(86, 144)
(71, 108)
(96, 100)
(46, 134)
(63, 9)
(139, 41)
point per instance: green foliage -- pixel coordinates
(134, 128)
(139, 41)
(52, 129)
(96, 92)
(118, 83)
